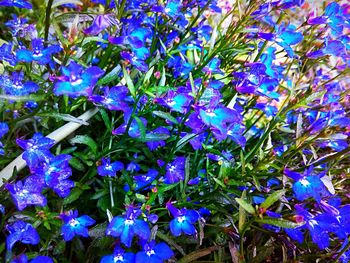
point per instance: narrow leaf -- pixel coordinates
(247, 207)
(271, 199)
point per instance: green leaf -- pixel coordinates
(94, 39)
(245, 205)
(105, 118)
(152, 137)
(166, 116)
(273, 198)
(84, 139)
(279, 222)
(129, 82)
(141, 127)
(112, 75)
(148, 75)
(74, 195)
(77, 164)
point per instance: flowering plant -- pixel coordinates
(174, 131)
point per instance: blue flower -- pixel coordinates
(23, 232)
(146, 179)
(127, 226)
(74, 225)
(28, 193)
(77, 81)
(7, 55)
(39, 259)
(14, 85)
(155, 139)
(308, 185)
(108, 168)
(175, 101)
(175, 171)
(4, 128)
(119, 255)
(319, 227)
(16, 3)
(36, 149)
(183, 221)
(154, 253)
(38, 53)
(213, 67)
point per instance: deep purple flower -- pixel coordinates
(127, 226)
(77, 81)
(28, 193)
(154, 253)
(175, 171)
(183, 221)
(109, 169)
(74, 225)
(119, 255)
(23, 232)
(16, 3)
(14, 85)
(38, 52)
(37, 149)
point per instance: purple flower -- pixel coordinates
(36, 149)
(23, 232)
(38, 53)
(14, 85)
(55, 174)
(115, 98)
(77, 81)
(28, 193)
(127, 226)
(119, 255)
(154, 253)
(108, 168)
(74, 225)
(308, 185)
(100, 23)
(16, 3)
(7, 55)
(134, 129)
(183, 221)
(175, 171)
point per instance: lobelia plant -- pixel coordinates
(182, 131)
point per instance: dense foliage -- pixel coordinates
(174, 131)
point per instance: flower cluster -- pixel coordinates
(201, 123)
